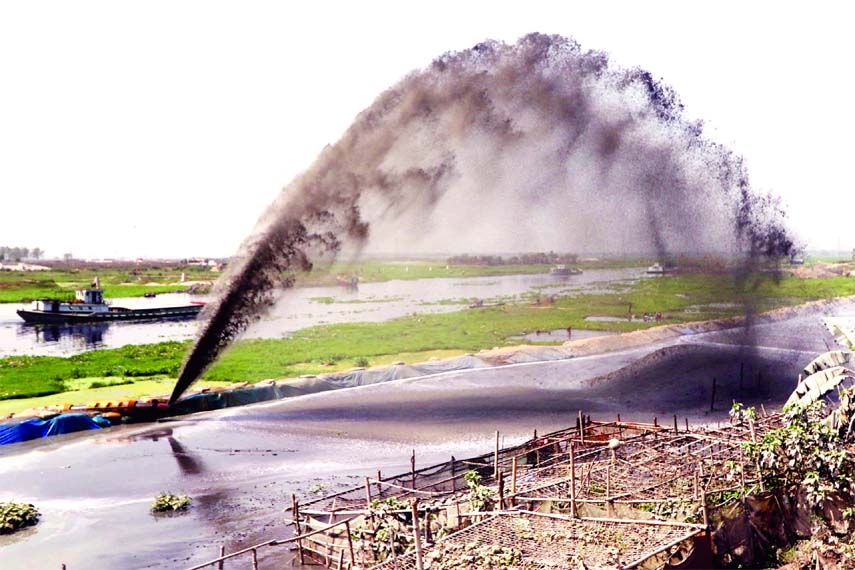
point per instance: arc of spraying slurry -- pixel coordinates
(538, 142)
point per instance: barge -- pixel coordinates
(89, 306)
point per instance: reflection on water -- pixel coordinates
(79, 335)
(18, 338)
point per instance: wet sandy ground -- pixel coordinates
(241, 465)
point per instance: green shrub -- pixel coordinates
(15, 516)
(167, 502)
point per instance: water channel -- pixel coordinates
(303, 307)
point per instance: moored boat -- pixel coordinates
(562, 269)
(656, 269)
(89, 306)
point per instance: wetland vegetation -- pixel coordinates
(685, 297)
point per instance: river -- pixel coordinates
(303, 307)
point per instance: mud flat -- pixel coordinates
(241, 465)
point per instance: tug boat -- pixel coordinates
(562, 269)
(89, 306)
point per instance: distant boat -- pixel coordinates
(351, 282)
(562, 269)
(89, 306)
(656, 269)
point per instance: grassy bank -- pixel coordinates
(372, 271)
(24, 286)
(132, 280)
(329, 348)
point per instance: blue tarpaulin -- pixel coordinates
(35, 428)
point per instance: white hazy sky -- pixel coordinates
(164, 128)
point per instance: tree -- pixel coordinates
(36, 253)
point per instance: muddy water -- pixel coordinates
(300, 308)
(241, 465)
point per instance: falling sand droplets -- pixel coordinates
(534, 146)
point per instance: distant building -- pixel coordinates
(20, 266)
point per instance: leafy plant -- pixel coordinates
(391, 534)
(15, 516)
(481, 498)
(167, 502)
(805, 452)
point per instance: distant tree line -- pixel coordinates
(522, 259)
(18, 253)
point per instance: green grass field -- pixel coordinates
(24, 286)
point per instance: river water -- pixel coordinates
(303, 307)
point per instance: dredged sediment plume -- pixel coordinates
(529, 146)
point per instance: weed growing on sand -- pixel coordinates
(15, 516)
(167, 503)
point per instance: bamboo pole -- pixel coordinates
(581, 427)
(496, 457)
(222, 553)
(705, 512)
(392, 554)
(295, 508)
(608, 481)
(413, 468)
(417, 539)
(453, 475)
(514, 476)
(572, 481)
(349, 543)
(368, 493)
(501, 491)
(676, 431)
(756, 459)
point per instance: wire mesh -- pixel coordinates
(535, 541)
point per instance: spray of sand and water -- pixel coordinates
(532, 146)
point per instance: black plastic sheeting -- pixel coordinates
(263, 392)
(36, 428)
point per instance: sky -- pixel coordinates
(164, 128)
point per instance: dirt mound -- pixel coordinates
(822, 269)
(703, 378)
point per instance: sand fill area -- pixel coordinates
(241, 465)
